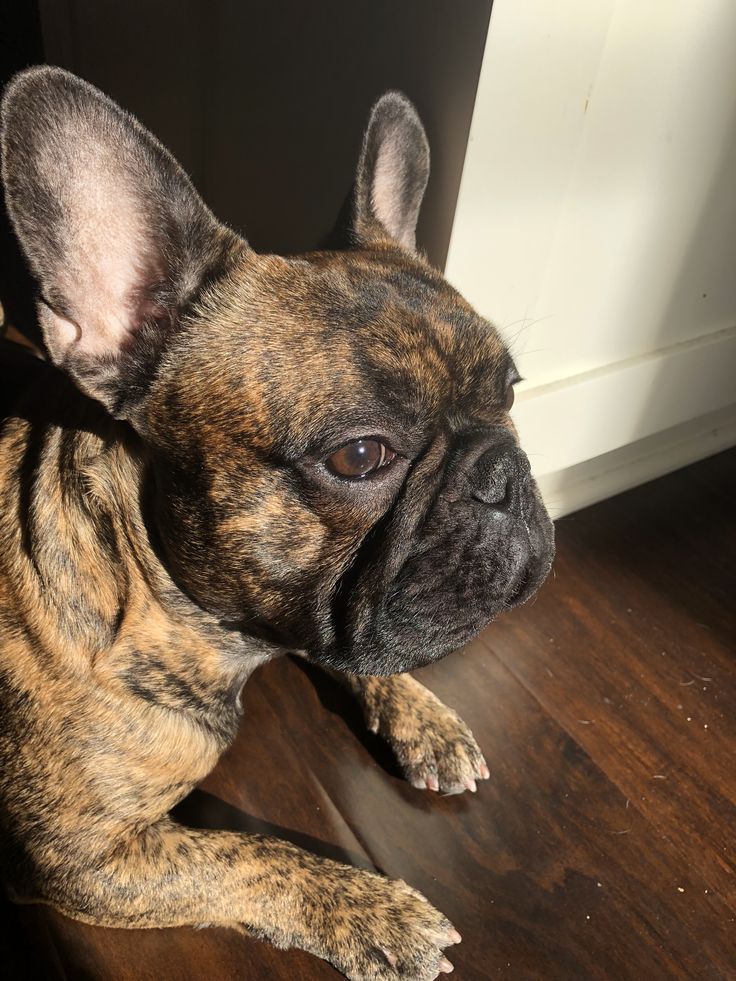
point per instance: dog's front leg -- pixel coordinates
(433, 746)
(367, 926)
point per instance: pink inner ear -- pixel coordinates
(111, 261)
(386, 197)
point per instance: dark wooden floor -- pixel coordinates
(603, 847)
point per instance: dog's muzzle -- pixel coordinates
(484, 544)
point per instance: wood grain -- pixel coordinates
(603, 845)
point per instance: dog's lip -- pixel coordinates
(531, 579)
(519, 589)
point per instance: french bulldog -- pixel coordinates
(228, 456)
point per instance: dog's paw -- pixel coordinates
(433, 746)
(378, 929)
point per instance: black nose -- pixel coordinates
(496, 471)
(493, 481)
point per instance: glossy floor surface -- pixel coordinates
(604, 845)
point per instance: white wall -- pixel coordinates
(596, 226)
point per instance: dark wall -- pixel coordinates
(264, 101)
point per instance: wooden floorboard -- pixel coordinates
(603, 845)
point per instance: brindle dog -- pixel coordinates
(241, 454)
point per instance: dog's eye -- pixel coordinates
(360, 458)
(509, 400)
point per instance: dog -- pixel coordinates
(228, 456)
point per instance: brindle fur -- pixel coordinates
(169, 531)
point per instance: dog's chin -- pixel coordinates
(408, 644)
(379, 661)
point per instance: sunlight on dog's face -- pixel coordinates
(332, 463)
(364, 487)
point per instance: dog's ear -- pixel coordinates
(392, 173)
(115, 234)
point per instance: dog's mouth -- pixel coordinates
(458, 578)
(516, 597)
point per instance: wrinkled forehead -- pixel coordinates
(421, 337)
(348, 342)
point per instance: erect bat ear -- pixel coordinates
(392, 173)
(115, 234)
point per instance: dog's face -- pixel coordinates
(332, 462)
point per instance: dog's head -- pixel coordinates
(332, 462)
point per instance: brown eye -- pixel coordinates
(360, 458)
(509, 401)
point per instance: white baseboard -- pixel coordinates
(579, 418)
(611, 473)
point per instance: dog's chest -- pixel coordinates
(143, 724)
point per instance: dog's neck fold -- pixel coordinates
(87, 573)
